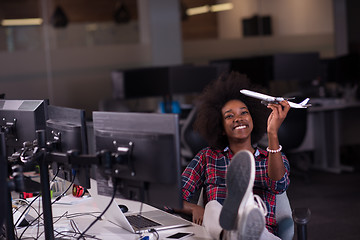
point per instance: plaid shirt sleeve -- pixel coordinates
(192, 176)
(262, 178)
(208, 169)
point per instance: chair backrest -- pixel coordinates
(293, 129)
(191, 140)
(283, 214)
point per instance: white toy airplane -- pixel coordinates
(266, 99)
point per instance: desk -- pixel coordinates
(102, 229)
(332, 124)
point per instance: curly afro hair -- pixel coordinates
(227, 87)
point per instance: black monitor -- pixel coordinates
(66, 131)
(20, 119)
(299, 67)
(303, 67)
(161, 81)
(145, 149)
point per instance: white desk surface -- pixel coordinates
(102, 229)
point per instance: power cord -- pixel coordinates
(31, 203)
(99, 217)
(57, 199)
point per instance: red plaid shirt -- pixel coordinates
(208, 168)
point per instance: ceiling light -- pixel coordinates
(198, 10)
(21, 22)
(206, 8)
(221, 7)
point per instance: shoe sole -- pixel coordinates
(239, 180)
(253, 224)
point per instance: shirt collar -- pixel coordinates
(261, 152)
(258, 151)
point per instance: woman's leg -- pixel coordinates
(240, 213)
(211, 219)
(266, 235)
(212, 212)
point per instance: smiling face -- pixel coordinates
(237, 121)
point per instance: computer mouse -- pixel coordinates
(123, 208)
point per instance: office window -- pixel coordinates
(82, 23)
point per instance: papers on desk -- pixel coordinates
(67, 200)
(71, 200)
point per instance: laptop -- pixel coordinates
(136, 223)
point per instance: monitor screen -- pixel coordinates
(65, 131)
(298, 67)
(139, 83)
(303, 67)
(145, 150)
(161, 81)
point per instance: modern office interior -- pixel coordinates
(156, 56)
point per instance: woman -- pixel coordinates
(232, 122)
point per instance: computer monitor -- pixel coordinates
(145, 150)
(302, 67)
(66, 131)
(19, 121)
(165, 82)
(298, 67)
(161, 81)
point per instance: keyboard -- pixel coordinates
(139, 221)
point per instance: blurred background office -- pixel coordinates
(73, 52)
(68, 55)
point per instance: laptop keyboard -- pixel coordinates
(139, 221)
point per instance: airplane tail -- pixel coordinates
(305, 102)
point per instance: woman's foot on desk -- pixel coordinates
(248, 222)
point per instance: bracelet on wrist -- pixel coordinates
(274, 151)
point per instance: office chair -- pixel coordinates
(292, 131)
(291, 135)
(192, 142)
